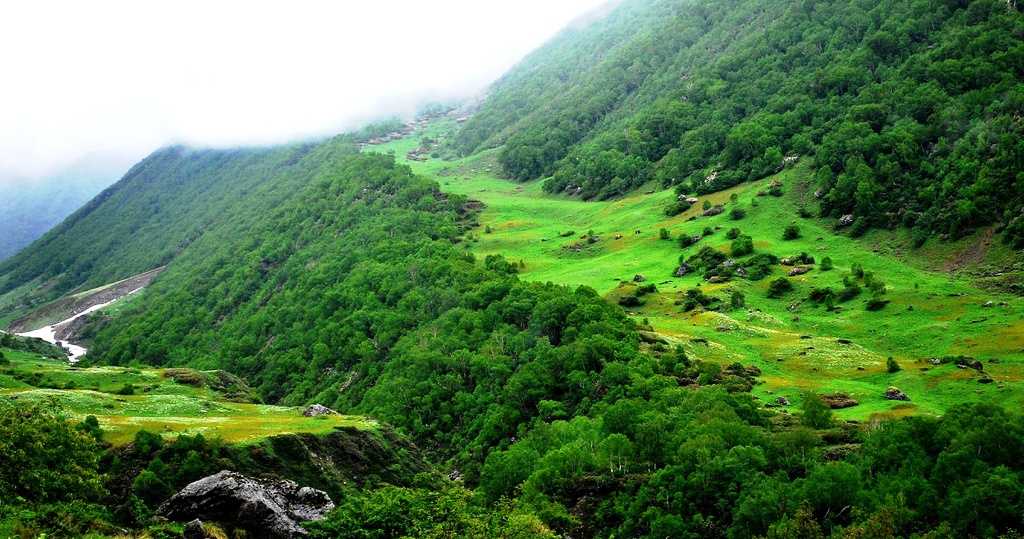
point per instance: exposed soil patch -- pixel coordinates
(971, 255)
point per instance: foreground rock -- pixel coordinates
(266, 508)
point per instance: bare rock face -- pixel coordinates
(845, 220)
(314, 410)
(265, 508)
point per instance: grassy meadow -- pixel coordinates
(156, 402)
(936, 308)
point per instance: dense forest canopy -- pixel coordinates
(911, 110)
(326, 273)
(356, 292)
(161, 205)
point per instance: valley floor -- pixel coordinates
(165, 401)
(937, 308)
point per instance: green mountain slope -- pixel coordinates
(910, 109)
(574, 367)
(160, 206)
(31, 207)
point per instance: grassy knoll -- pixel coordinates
(936, 307)
(167, 401)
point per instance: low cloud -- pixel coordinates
(125, 77)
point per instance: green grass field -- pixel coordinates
(933, 312)
(158, 403)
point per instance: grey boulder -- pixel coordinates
(265, 508)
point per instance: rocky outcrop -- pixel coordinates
(894, 394)
(799, 270)
(845, 220)
(315, 410)
(682, 270)
(969, 363)
(839, 400)
(713, 210)
(265, 508)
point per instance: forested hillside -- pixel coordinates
(162, 205)
(911, 110)
(31, 207)
(693, 369)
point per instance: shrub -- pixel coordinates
(499, 264)
(760, 266)
(45, 458)
(695, 297)
(147, 443)
(733, 233)
(127, 389)
(150, 487)
(706, 204)
(857, 270)
(488, 229)
(737, 213)
(643, 290)
(826, 264)
(791, 232)
(630, 301)
(664, 234)
(742, 246)
(892, 366)
(686, 240)
(3, 359)
(676, 208)
(706, 258)
(708, 231)
(816, 414)
(737, 300)
(876, 304)
(820, 295)
(850, 290)
(860, 226)
(876, 286)
(779, 287)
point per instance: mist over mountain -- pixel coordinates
(30, 207)
(725, 269)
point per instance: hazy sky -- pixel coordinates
(127, 77)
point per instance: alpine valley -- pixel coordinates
(692, 269)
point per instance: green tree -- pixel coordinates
(815, 413)
(892, 366)
(45, 458)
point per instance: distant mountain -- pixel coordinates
(30, 207)
(910, 110)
